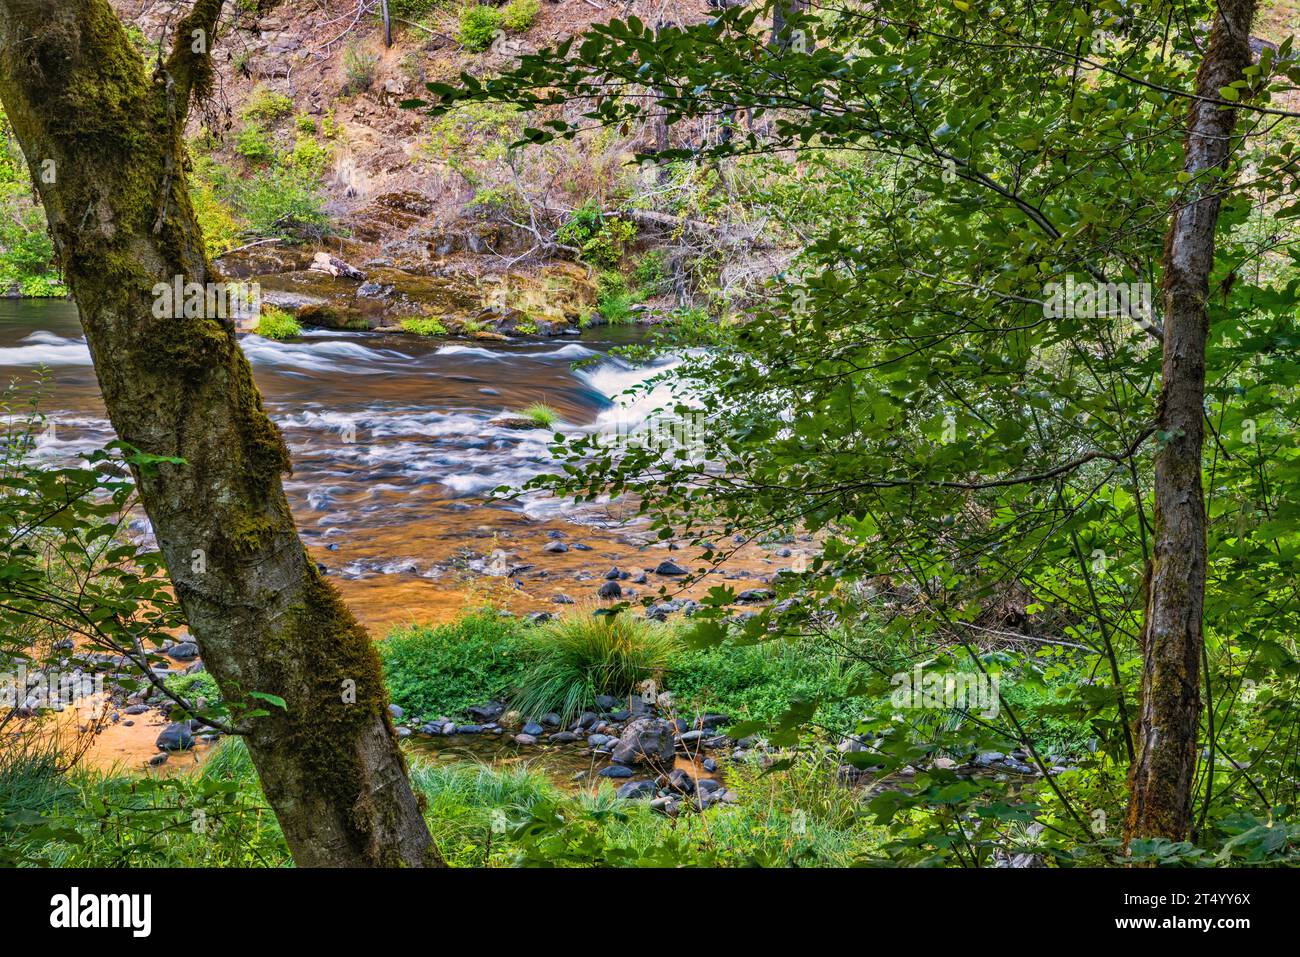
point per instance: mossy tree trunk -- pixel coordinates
(85, 109)
(1162, 775)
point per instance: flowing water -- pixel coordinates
(394, 455)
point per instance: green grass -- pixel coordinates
(436, 671)
(573, 660)
(424, 326)
(541, 413)
(277, 324)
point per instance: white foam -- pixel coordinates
(46, 349)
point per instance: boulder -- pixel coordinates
(646, 740)
(176, 737)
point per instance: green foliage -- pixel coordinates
(216, 817)
(601, 239)
(67, 567)
(424, 326)
(651, 271)
(976, 466)
(518, 15)
(254, 144)
(275, 323)
(478, 26)
(26, 250)
(283, 202)
(760, 682)
(412, 9)
(208, 180)
(266, 105)
(571, 661)
(437, 671)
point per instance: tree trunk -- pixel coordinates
(1161, 777)
(78, 98)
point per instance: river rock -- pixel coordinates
(396, 712)
(610, 590)
(533, 728)
(556, 546)
(613, 574)
(563, 737)
(562, 599)
(487, 713)
(539, 617)
(753, 595)
(183, 651)
(615, 771)
(469, 729)
(175, 737)
(637, 790)
(680, 781)
(646, 740)
(670, 568)
(525, 739)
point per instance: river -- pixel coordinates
(394, 456)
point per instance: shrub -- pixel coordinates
(284, 202)
(358, 69)
(266, 104)
(573, 660)
(424, 326)
(541, 413)
(306, 124)
(411, 9)
(221, 230)
(651, 271)
(518, 15)
(433, 671)
(254, 144)
(277, 324)
(478, 26)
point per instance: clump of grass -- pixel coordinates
(573, 660)
(358, 68)
(277, 324)
(544, 415)
(424, 326)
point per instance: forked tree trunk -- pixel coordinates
(1162, 776)
(105, 141)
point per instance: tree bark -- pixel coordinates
(1161, 777)
(77, 94)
